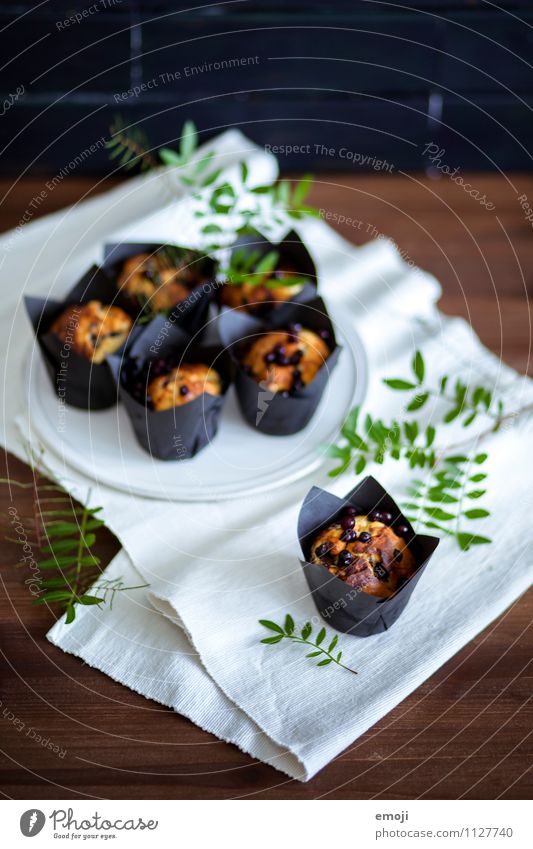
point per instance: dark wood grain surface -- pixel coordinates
(464, 734)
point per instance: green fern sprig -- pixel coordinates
(131, 145)
(62, 535)
(229, 210)
(463, 400)
(288, 632)
(443, 500)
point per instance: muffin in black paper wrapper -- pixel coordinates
(269, 412)
(180, 432)
(347, 608)
(293, 255)
(77, 380)
(191, 312)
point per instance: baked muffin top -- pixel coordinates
(94, 330)
(155, 279)
(183, 384)
(365, 552)
(286, 360)
(253, 296)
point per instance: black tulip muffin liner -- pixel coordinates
(181, 432)
(76, 380)
(191, 313)
(341, 606)
(291, 249)
(271, 413)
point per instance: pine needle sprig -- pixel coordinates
(288, 632)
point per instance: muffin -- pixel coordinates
(286, 360)
(94, 330)
(183, 384)
(365, 552)
(159, 279)
(253, 296)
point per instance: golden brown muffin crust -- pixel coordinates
(377, 565)
(150, 277)
(183, 384)
(304, 350)
(94, 330)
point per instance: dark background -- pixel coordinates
(378, 78)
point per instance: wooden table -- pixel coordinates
(464, 733)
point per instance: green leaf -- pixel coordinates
(266, 623)
(411, 431)
(70, 614)
(418, 402)
(476, 493)
(360, 464)
(430, 435)
(211, 178)
(396, 383)
(443, 384)
(476, 514)
(169, 157)
(418, 366)
(480, 458)
(313, 654)
(465, 540)
(438, 496)
(90, 599)
(320, 637)
(339, 656)
(469, 419)
(437, 513)
(53, 596)
(244, 172)
(267, 262)
(325, 662)
(50, 583)
(189, 139)
(289, 624)
(302, 189)
(211, 228)
(333, 643)
(477, 478)
(451, 415)
(306, 630)
(60, 545)
(271, 640)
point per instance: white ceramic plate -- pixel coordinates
(238, 462)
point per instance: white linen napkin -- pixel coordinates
(192, 639)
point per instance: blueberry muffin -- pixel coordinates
(285, 361)
(252, 297)
(94, 330)
(183, 384)
(156, 280)
(365, 552)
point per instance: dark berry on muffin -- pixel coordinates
(268, 359)
(94, 330)
(375, 561)
(182, 385)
